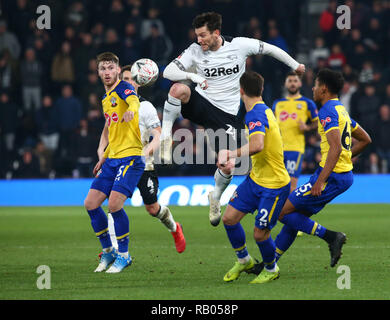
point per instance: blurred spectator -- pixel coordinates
(69, 111)
(76, 16)
(386, 98)
(31, 74)
(374, 40)
(62, 68)
(152, 19)
(48, 124)
(382, 137)
(327, 22)
(98, 34)
(364, 111)
(367, 72)
(276, 39)
(131, 44)
(92, 86)
(82, 55)
(21, 18)
(111, 42)
(44, 156)
(7, 71)
(319, 51)
(158, 47)
(337, 59)
(357, 59)
(8, 126)
(84, 151)
(27, 166)
(348, 90)
(116, 16)
(95, 119)
(9, 41)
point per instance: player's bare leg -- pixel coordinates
(165, 216)
(178, 94)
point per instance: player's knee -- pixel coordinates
(152, 209)
(229, 220)
(179, 91)
(261, 234)
(90, 204)
(114, 204)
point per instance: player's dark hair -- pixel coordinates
(252, 83)
(123, 69)
(212, 20)
(107, 56)
(333, 80)
(292, 73)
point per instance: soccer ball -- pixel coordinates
(144, 72)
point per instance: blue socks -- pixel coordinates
(284, 240)
(236, 235)
(121, 225)
(300, 222)
(267, 250)
(99, 224)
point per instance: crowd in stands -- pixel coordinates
(50, 93)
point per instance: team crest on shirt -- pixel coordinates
(113, 102)
(325, 121)
(234, 196)
(299, 106)
(252, 125)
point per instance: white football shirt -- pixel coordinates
(148, 120)
(222, 69)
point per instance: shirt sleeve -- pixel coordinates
(354, 125)
(329, 119)
(249, 46)
(149, 116)
(256, 122)
(185, 60)
(312, 110)
(274, 106)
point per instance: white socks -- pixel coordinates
(111, 230)
(172, 109)
(222, 180)
(166, 218)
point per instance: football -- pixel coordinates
(144, 72)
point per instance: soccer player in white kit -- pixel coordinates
(219, 63)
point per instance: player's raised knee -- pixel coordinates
(261, 234)
(180, 91)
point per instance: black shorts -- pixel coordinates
(148, 187)
(202, 112)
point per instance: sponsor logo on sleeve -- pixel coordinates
(252, 125)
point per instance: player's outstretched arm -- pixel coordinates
(362, 140)
(174, 73)
(255, 145)
(283, 56)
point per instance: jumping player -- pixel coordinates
(219, 62)
(119, 167)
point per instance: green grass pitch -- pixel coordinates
(62, 239)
